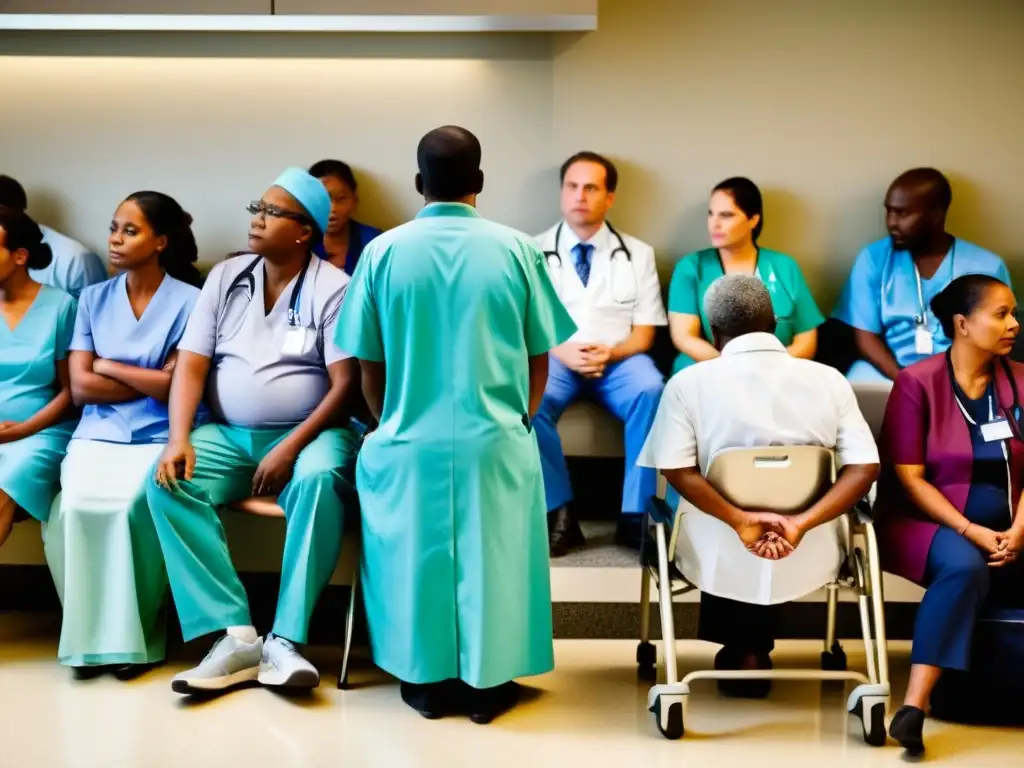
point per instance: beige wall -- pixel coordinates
(821, 103)
(215, 132)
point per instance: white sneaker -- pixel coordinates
(228, 663)
(283, 666)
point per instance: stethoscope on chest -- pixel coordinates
(622, 292)
(885, 289)
(295, 338)
(998, 428)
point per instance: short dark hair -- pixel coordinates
(747, 197)
(961, 297)
(23, 232)
(939, 191)
(12, 194)
(341, 171)
(449, 164)
(611, 173)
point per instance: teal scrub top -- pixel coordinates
(795, 309)
(28, 354)
(455, 550)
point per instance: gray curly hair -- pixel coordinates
(739, 304)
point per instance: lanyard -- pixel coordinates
(922, 317)
(1002, 443)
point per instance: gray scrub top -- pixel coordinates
(260, 378)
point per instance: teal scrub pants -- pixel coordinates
(207, 591)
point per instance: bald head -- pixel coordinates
(449, 165)
(736, 305)
(915, 209)
(929, 183)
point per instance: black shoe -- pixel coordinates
(732, 659)
(907, 727)
(431, 700)
(127, 672)
(90, 671)
(564, 532)
(485, 704)
(629, 531)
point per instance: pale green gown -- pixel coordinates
(455, 549)
(30, 467)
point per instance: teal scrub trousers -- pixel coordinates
(207, 591)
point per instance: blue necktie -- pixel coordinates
(582, 251)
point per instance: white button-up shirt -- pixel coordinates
(755, 394)
(621, 292)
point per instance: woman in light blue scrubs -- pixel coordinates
(100, 542)
(36, 322)
(735, 220)
(345, 238)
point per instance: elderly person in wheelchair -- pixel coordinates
(746, 559)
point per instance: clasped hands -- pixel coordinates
(1001, 548)
(770, 535)
(588, 360)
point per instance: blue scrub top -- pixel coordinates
(880, 295)
(359, 237)
(988, 502)
(28, 354)
(107, 327)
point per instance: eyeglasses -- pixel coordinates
(259, 208)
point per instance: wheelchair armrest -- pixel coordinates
(659, 511)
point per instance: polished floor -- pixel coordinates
(589, 713)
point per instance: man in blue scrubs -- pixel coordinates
(893, 281)
(73, 266)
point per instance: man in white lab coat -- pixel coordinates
(609, 283)
(744, 562)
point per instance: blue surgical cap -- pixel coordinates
(310, 193)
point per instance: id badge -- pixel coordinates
(923, 343)
(294, 342)
(998, 429)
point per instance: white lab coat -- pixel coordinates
(755, 394)
(620, 293)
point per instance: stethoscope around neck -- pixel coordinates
(246, 280)
(616, 284)
(885, 288)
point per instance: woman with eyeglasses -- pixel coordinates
(100, 542)
(36, 322)
(260, 348)
(949, 509)
(735, 221)
(345, 238)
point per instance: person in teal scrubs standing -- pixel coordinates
(735, 220)
(451, 317)
(36, 325)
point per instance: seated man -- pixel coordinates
(260, 345)
(609, 284)
(73, 266)
(887, 297)
(754, 394)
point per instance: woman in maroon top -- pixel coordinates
(949, 511)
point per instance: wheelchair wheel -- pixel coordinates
(669, 716)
